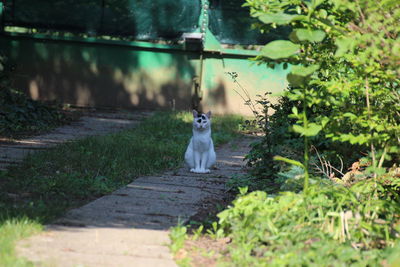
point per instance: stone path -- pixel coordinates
(130, 226)
(93, 123)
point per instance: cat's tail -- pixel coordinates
(212, 157)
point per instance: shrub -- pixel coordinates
(329, 224)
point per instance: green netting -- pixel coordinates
(151, 19)
(231, 24)
(138, 19)
(69, 15)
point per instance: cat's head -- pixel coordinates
(201, 121)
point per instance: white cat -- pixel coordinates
(200, 154)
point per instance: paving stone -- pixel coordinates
(185, 180)
(132, 247)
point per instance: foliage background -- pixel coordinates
(333, 195)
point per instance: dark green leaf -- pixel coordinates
(295, 80)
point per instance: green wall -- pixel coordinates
(134, 75)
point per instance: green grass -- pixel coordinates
(10, 231)
(52, 181)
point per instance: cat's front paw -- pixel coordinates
(202, 171)
(198, 170)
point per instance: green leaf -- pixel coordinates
(295, 80)
(295, 111)
(316, 3)
(290, 161)
(280, 49)
(323, 14)
(343, 45)
(243, 190)
(279, 18)
(298, 74)
(324, 121)
(350, 115)
(307, 35)
(298, 129)
(312, 130)
(376, 170)
(304, 71)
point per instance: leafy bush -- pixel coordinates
(344, 71)
(277, 139)
(329, 224)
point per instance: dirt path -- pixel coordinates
(130, 226)
(92, 123)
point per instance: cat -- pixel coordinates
(200, 154)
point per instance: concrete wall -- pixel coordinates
(133, 77)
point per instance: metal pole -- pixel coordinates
(1, 17)
(203, 30)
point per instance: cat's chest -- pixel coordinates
(201, 142)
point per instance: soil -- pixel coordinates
(205, 251)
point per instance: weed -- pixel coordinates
(178, 236)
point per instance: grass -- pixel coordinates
(48, 183)
(10, 231)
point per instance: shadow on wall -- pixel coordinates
(103, 75)
(217, 95)
(90, 74)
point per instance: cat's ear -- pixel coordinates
(208, 114)
(195, 113)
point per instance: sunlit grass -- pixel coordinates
(11, 231)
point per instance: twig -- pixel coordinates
(326, 167)
(361, 13)
(382, 157)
